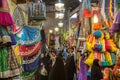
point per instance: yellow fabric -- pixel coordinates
(113, 46)
(16, 51)
(108, 58)
(103, 44)
(107, 36)
(89, 60)
(90, 42)
(111, 6)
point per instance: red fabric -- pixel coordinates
(27, 51)
(107, 45)
(87, 13)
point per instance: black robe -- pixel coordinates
(70, 67)
(46, 62)
(96, 73)
(57, 72)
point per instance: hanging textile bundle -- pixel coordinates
(28, 60)
(108, 59)
(107, 35)
(98, 47)
(86, 8)
(97, 26)
(89, 60)
(97, 34)
(90, 42)
(16, 51)
(32, 66)
(5, 38)
(107, 45)
(118, 4)
(116, 25)
(113, 46)
(27, 51)
(86, 13)
(5, 17)
(16, 29)
(113, 56)
(12, 36)
(10, 66)
(30, 36)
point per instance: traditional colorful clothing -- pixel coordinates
(5, 17)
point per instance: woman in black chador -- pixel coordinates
(96, 73)
(70, 65)
(57, 71)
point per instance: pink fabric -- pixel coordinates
(5, 4)
(6, 19)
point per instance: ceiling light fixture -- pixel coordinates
(59, 6)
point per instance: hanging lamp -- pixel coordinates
(59, 6)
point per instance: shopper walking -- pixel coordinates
(70, 65)
(96, 73)
(57, 71)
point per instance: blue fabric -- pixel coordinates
(86, 4)
(31, 66)
(97, 33)
(3, 31)
(113, 56)
(14, 42)
(29, 35)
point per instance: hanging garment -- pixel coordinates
(9, 66)
(16, 51)
(12, 36)
(5, 17)
(31, 59)
(32, 66)
(27, 51)
(13, 66)
(30, 36)
(116, 24)
(103, 10)
(5, 38)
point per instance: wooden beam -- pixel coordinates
(74, 11)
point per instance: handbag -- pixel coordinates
(43, 71)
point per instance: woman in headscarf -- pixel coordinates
(57, 71)
(70, 65)
(96, 73)
(83, 68)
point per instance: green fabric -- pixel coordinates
(118, 4)
(27, 75)
(3, 59)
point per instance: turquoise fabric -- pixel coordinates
(30, 36)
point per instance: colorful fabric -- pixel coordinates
(16, 51)
(8, 64)
(5, 38)
(6, 19)
(30, 36)
(32, 66)
(27, 51)
(83, 69)
(31, 59)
